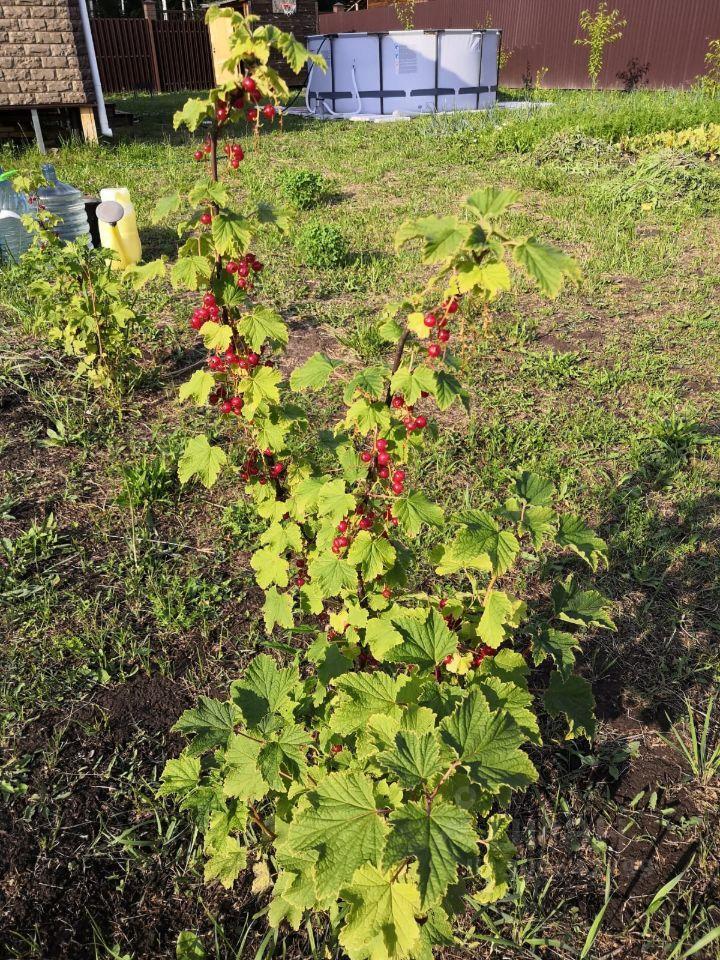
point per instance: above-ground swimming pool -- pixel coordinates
(404, 72)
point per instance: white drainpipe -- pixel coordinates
(97, 86)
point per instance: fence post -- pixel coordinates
(150, 12)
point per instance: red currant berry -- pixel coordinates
(277, 470)
(268, 111)
(221, 114)
(365, 523)
(237, 404)
(397, 488)
(257, 266)
(442, 604)
(206, 219)
(398, 403)
(231, 266)
(199, 155)
(430, 320)
(452, 306)
(434, 350)
(249, 85)
(226, 406)
(383, 473)
(443, 336)
(365, 456)
(336, 748)
(420, 422)
(253, 359)
(387, 592)
(196, 322)
(209, 299)
(448, 659)
(251, 114)
(381, 445)
(398, 476)
(383, 458)
(342, 526)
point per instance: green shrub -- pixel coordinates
(321, 245)
(303, 188)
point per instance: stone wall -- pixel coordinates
(43, 57)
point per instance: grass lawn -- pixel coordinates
(114, 620)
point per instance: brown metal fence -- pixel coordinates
(671, 35)
(154, 55)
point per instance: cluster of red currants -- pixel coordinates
(410, 421)
(221, 363)
(437, 321)
(202, 152)
(383, 465)
(234, 153)
(242, 270)
(302, 575)
(478, 656)
(209, 311)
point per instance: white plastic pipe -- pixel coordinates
(349, 113)
(97, 86)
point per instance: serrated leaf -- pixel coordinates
(242, 779)
(442, 236)
(265, 688)
(138, 275)
(423, 643)
(490, 279)
(293, 894)
(284, 751)
(374, 555)
(260, 389)
(488, 742)
(439, 836)
(448, 389)
(584, 608)
(277, 610)
(572, 696)
(501, 616)
(165, 206)
(209, 725)
(414, 510)
(380, 921)
(333, 575)
(199, 387)
(583, 541)
(534, 489)
(216, 336)
(263, 325)
(193, 112)
(270, 568)
(191, 271)
(559, 645)
(314, 373)
(343, 825)
(491, 202)
(381, 636)
(368, 416)
(201, 460)
(371, 381)
(499, 851)
(180, 776)
(189, 947)
(502, 695)
(333, 501)
(227, 861)
(548, 266)
(204, 191)
(416, 324)
(361, 696)
(416, 760)
(410, 383)
(482, 535)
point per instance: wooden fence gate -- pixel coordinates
(155, 55)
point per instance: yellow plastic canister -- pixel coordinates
(123, 237)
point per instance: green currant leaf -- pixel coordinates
(344, 826)
(371, 381)
(201, 460)
(518, 702)
(440, 836)
(293, 895)
(194, 111)
(366, 416)
(199, 387)
(534, 490)
(261, 326)
(548, 266)
(216, 336)
(482, 535)
(573, 533)
(501, 616)
(209, 725)
(260, 389)
(228, 860)
(448, 389)
(180, 776)
(138, 275)
(559, 645)
(572, 696)
(284, 751)
(231, 233)
(488, 743)
(189, 947)
(191, 271)
(413, 510)
(277, 610)
(381, 636)
(423, 643)
(491, 202)
(270, 567)
(584, 608)
(205, 191)
(380, 923)
(442, 236)
(411, 383)
(499, 851)
(265, 688)
(332, 575)
(416, 760)
(361, 696)
(165, 206)
(242, 779)
(374, 555)
(314, 373)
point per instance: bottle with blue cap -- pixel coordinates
(65, 202)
